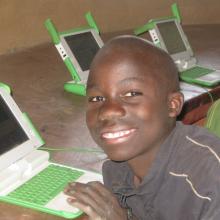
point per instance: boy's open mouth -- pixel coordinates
(117, 134)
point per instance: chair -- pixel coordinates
(213, 118)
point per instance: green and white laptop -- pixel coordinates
(167, 33)
(27, 177)
(77, 48)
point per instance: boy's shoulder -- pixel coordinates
(201, 137)
(197, 155)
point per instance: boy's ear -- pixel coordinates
(175, 103)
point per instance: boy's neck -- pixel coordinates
(141, 165)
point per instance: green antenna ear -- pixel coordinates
(91, 21)
(5, 87)
(175, 11)
(52, 30)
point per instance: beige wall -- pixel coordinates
(21, 21)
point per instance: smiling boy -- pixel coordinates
(158, 169)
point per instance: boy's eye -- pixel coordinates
(132, 93)
(96, 99)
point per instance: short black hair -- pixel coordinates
(145, 53)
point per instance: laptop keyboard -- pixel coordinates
(196, 72)
(46, 185)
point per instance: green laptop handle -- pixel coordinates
(91, 21)
(55, 34)
(176, 12)
(52, 30)
(151, 24)
(72, 70)
(5, 87)
(76, 88)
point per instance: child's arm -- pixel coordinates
(95, 200)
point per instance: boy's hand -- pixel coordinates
(95, 200)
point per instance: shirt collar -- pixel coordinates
(153, 180)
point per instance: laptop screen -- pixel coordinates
(171, 37)
(11, 133)
(83, 47)
(17, 137)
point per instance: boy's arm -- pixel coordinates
(96, 201)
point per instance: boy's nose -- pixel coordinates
(111, 110)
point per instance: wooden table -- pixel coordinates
(36, 76)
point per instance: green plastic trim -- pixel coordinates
(64, 214)
(33, 128)
(176, 11)
(197, 81)
(55, 34)
(151, 24)
(72, 70)
(91, 21)
(74, 30)
(52, 30)
(5, 87)
(144, 28)
(75, 88)
(74, 149)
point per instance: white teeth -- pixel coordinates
(116, 134)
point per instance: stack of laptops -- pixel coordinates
(27, 177)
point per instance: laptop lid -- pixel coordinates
(81, 47)
(173, 40)
(17, 139)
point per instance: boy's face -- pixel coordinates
(127, 113)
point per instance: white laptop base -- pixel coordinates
(20, 161)
(23, 170)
